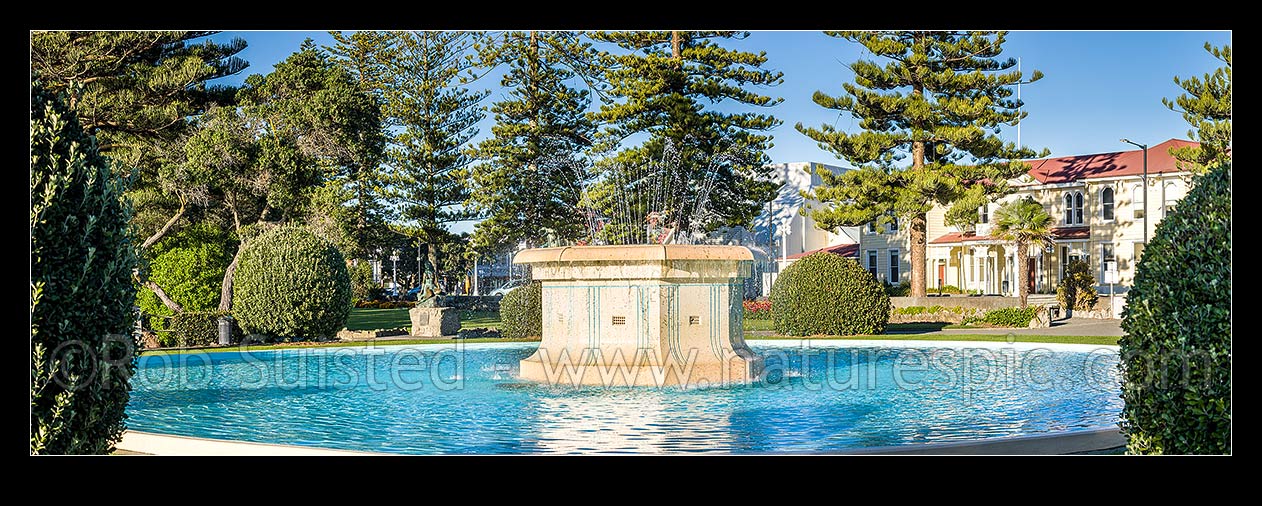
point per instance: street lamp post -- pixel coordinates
(394, 270)
(1145, 184)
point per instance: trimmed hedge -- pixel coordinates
(1010, 316)
(521, 312)
(1176, 354)
(291, 284)
(825, 293)
(83, 349)
(197, 328)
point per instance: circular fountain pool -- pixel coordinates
(464, 399)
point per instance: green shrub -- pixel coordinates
(81, 292)
(951, 289)
(198, 328)
(190, 273)
(1176, 354)
(902, 289)
(1077, 289)
(911, 310)
(291, 284)
(362, 285)
(1010, 316)
(827, 294)
(521, 311)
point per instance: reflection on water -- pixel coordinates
(429, 400)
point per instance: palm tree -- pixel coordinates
(1023, 222)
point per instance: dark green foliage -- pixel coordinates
(436, 115)
(1077, 288)
(827, 294)
(82, 257)
(530, 181)
(197, 328)
(521, 311)
(937, 100)
(1176, 354)
(361, 282)
(1206, 105)
(1010, 316)
(695, 97)
(902, 289)
(190, 267)
(291, 284)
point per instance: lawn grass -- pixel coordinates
(758, 325)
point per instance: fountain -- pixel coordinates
(643, 310)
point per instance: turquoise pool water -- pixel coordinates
(440, 399)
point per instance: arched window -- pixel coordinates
(1106, 204)
(1171, 197)
(1069, 209)
(1137, 201)
(1078, 208)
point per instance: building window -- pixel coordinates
(894, 274)
(1106, 204)
(872, 262)
(1073, 208)
(984, 211)
(1078, 208)
(871, 227)
(1137, 201)
(1171, 197)
(1106, 258)
(893, 224)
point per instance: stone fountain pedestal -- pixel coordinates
(646, 315)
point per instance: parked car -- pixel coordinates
(508, 287)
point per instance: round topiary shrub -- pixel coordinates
(291, 284)
(1176, 354)
(521, 312)
(825, 293)
(81, 291)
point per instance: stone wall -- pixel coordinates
(983, 302)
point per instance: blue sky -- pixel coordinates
(1099, 86)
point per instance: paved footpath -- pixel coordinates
(1063, 327)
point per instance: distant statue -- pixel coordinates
(429, 292)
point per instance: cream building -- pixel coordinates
(788, 232)
(1097, 205)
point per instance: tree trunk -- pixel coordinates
(225, 291)
(162, 296)
(165, 228)
(674, 45)
(918, 226)
(1023, 260)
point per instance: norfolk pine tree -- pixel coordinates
(135, 92)
(530, 181)
(660, 86)
(427, 177)
(941, 98)
(1206, 105)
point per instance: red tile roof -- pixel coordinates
(1122, 163)
(1071, 232)
(1061, 233)
(960, 237)
(845, 250)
